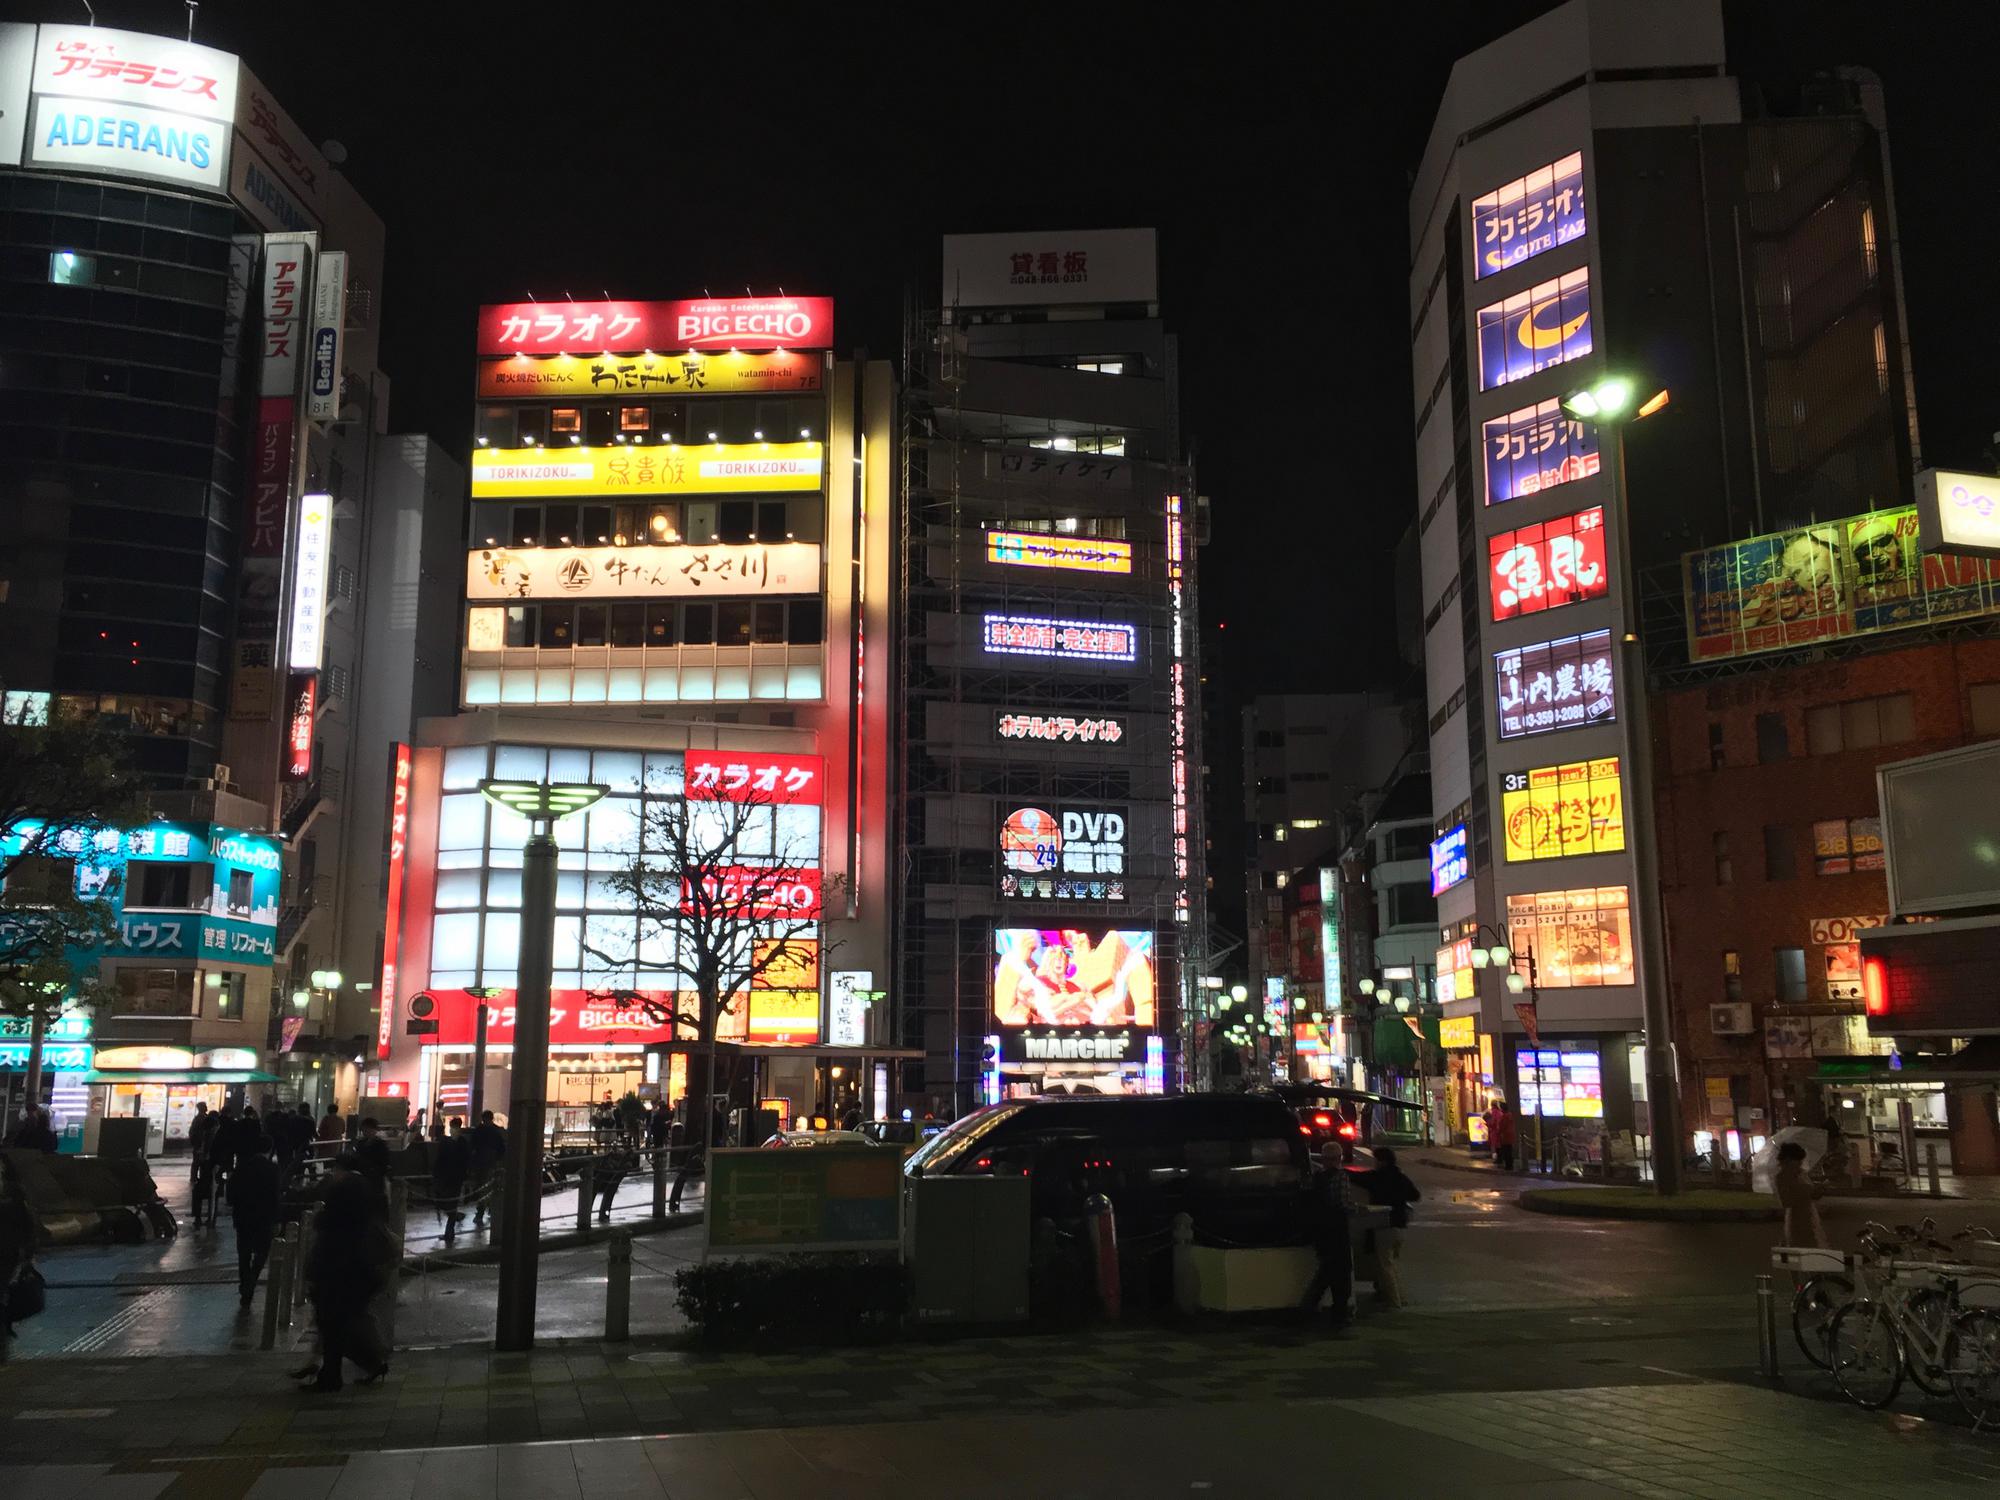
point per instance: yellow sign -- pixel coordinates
(661, 469)
(1553, 811)
(788, 964)
(1080, 554)
(610, 375)
(789, 1017)
(1458, 1033)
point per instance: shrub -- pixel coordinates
(801, 1298)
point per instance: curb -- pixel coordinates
(486, 1255)
(1578, 1203)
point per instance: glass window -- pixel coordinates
(557, 627)
(521, 622)
(772, 523)
(732, 622)
(1790, 964)
(737, 520)
(1520, 219)
(660, 623)
(67, 268)
(1717, 752)
(1899, 718)
(599, 423)
(1725, 871)
(698, 625)
(590, 624)
(769, 627)
(663, 523)
(1547, 325)
(526, 530)
(1773, 742)
(1983, 699)
(1823, 730)
(520, 763)
(628, 624)
(1860, 724)
(532, 425)
(155, 992)
(634, 419)
(700, 529)
(497, 427)
(594, 523)
(462, 818)
(156, 883)
(1579, 937)
(561, 525)
(806, 622)
(1536, 449)
(565, 422)
(464, 767)
(1732, 974)
(224, 1000)
(1780, 862)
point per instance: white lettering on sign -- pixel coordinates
(1073, 1048)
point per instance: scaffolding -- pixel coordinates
(964, 474)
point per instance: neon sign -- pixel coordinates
(1071, 640)
(1531, 214)
(1032, 549)
(1550, 564)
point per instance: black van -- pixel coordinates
(1235, 1163)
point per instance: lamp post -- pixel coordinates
(1609, 404)
(543, 804)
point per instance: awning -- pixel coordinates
(180, 1075)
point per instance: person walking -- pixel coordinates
(201, 1172)
(1500, 1133)
(451, 1160)
(612, 1168)
(350, 1252)
(1795, 1196)
(221, 1161)
(18, 1233)
(1386, 1186)
(487, 1145)
(34, 1133)
(371, 1153)
(256, 1191)
(1326, 1214)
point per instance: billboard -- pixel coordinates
(1579, 939)
(1547, 325)
(740, 892)
(301, 705)
(670, 469)
(392, 912)
(1549, 564)
(1561, 684)
(323, 348)
(576, 1018)
(1522, 218)
(1940, 828)
(1033, 269)
(720, 323)
(1057, 729)
(1076, 841)
(1828, 581)
(784, 1018)
(1078, 554)
(1536, 448)
(1451, 859)
(754, 776)
(1551, 812)
(1072, 977)
(129, 104)
(1071, 640)
(650, 374)
(1958, 512)
(311, 554)
(641, 572)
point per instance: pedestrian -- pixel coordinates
(487, 1145)
(658, 1122)
(221, 1159)
(1386, 1186)
(1326, 1215)
(852, 1119)
(256, 1190)
(34, 1133)
(351, 1250)
(1500, 1131)
(201, 1175)
(1795, 1196)
(451, 1160)
(610, 1171)
(304, 1132)
(331, 1132)
(372, 1153)
(19, 1231)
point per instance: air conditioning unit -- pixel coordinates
(219, 779)
(1730, 1020)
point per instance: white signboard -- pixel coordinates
(1033, 269)
(1958, 512)
(846, 1009)
(323, 349)
(721, 570)
(127, 140)
(309, 583)
(136, 68)
(17, 60)
(285, 286)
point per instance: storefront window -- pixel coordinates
(154, 992)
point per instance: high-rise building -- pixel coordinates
(676, 585)
(193, 417)
(1051, 899)
(1599, 195)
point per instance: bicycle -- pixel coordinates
(1825, 1288)
(1929, 1334)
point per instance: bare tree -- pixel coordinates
(727, 894)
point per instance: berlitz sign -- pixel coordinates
(633, 327)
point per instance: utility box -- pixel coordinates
(965, 1240)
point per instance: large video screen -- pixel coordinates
(1064, 977)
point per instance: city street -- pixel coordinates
(1538, 1352)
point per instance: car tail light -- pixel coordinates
(1346, 1131)
(1306, 1131)
(1323, 1120)
(1875, 985)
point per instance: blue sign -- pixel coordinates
(1529, 215)
(1547, 325)
(57, 1057)
(1536, 449)
(1451, 859)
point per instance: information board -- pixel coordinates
(805, 1198)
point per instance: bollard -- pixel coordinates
(1931, 1168)
(659, 1183)
(618, 1287)
(277, 1293)
(293, 1274)
(583, 1185)
(399, 1225)
(1103, 1231)
(1767, 1329)
(297, 1273)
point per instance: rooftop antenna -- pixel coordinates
(531, 296)
(88, 11)
(193, 6)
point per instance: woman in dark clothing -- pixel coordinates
(17, 1241)
(451, 1159)
(255, 1190)
(346, 1269)
(1386, 1185)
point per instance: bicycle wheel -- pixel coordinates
(1972, 1363)
(1813, 1307)
(691, 1172)
(1867, 1353)
(1931, 1310)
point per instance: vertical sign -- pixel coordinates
(392, 911)
(1332, 986)
(301, 703)
(309, 565)
(323, 351)
(1177, 721)
(285, 276)
(847, 1007)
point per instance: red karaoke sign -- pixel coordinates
(751, 893)
(754, 776)
(629, 327)
(576, 1018)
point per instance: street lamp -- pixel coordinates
(543, 804)
(1608, 402)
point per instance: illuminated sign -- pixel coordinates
(753, 776)
(1551, 812)
(1177, 718)
(786, 1018)
(1531, 214)
(670, 469)
(1549, 564)
(311, 556)
(65, 1043)
(1549, 324)
(127, 140)
(329, 323)
(1072, 640)
(847, 992)
(735, 892)
(1458, 1033)
(1456, 978)
(392, 914)
(1579, 938)
(1536, 449)
(1070, 977)
(229, 1059)
(1566, 1080)
(1035, 549)
(1052, 729)
(1331, 981)
(576, 1018)
(725, 323)
(303, 698)
(284, 295)
(1122, 1045)
(133, 67)
(1958, 512)
(1859, 576)
(686, 374)
(1082, 841)
(145, 1059)
(1451, 859)
(641, 572)
(1559, 684)
(129, 104)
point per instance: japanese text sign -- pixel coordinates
(754, 776)
(1549, 564)
(786, 1018)
(1536, 449)
(286, 284)
(751, 892)
(626, 327)
(1550, 812)
(1034, 549)
(1959, 512)
(1559, 684)
(302, 699)
(687, 374)
(1547, 325)
(1057, 729)
(311, 555)
(132, 67)
(1451, 859)
(392, 915)
(670, 469)
(1076, 640)
(1579, 938)
(270, 478)
(1531, 214)
(641, 572)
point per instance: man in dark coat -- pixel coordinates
(487, 1143)
(451, 1159)
(255, 1191)
(1327, 1215)
(348, 1265)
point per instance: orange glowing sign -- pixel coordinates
(1076, 554)
(689, 374)
(784, 1017)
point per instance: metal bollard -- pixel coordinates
(1102, 1227)
(293, 1273)
(1931, 1168)
(1767, 1329)
(583, 1186)
(659, 1183)
(277, 1293)
(297, 1272)
(618, 1287)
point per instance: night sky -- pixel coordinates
(663, 150)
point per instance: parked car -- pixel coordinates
(820, 1138)
(909, 1134)
(1349, 1116)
